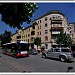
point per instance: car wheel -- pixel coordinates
(62, 58)
(43, 56)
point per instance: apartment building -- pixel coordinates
(26, 34)
(45, 27)
(49, 25)
(71, 29)
(14, 37)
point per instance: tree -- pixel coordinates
(15, 14)
(64, 39)
(6, 37)
(32, 45)
(0, 39)
(37, 41)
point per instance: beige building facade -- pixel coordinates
(71, 29)
(45, 27)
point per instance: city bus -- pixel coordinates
(17, 49)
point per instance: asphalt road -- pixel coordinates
(35, 0)
(33, 63)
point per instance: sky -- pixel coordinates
(67, 8)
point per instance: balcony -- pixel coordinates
(57, 25)
(53, 41)
(55, 32)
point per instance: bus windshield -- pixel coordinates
(23, 47)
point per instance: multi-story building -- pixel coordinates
(49, 25)
(25, 34)
(71, 29)
(45, 27)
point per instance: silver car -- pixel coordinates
(63, 54)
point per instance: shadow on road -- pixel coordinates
(59, 60)
(26, 71)
(69, 68)
(53, 59)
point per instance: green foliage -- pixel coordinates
(15, 14)
(6, 37)
(37, 41)
(32, 45)
(64, 39)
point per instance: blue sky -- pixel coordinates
(68, 9)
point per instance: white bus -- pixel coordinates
(18, 49)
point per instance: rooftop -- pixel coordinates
(50, 12)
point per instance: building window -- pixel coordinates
(46, 31)
(53, 17)
(32, 38)
(50, 18)
(40, 21)
(28, 40)
(45, 18)
(28, 35)
(40, 27)
(40, 33)
(46, 25)
(46, 46)
(22, 37)
(33, 33)
(33, 27)
(70, 32)
(46, 38)
(18, 37)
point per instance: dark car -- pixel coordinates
(73, 52)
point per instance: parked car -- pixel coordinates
(63, 54)
(73, 53)
(33, 52)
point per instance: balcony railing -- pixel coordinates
(55, 32)
(57, 25)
